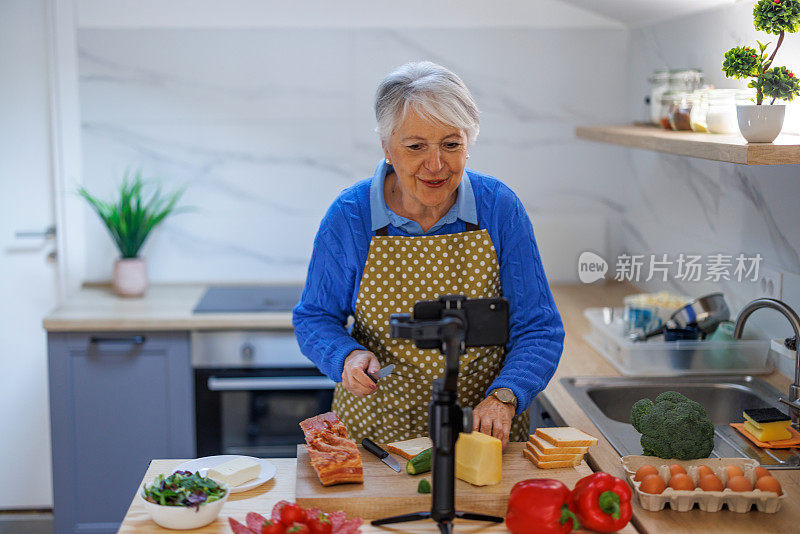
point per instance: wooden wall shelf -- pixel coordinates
(731, 148)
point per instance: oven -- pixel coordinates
(252, 389)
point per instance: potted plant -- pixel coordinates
(130, 221)
(759, 123)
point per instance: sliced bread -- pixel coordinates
(566, 436)
(410, 447)
(548, 448)
(542, 457)
(551, 465)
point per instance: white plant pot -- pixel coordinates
(130, 277)
(760, 124)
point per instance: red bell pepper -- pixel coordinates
(602, 502)
(540, 506)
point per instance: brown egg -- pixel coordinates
(762, 472)
(674, 469)
(739, 483)
(704, 470)
(733, 471)
(768, 483)
(644, 471)
(710, 483)
(653, 484)
(681, 482)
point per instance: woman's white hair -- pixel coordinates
(434, 92)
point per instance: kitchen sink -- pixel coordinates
(608, 400)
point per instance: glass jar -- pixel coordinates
(721, 114)
(669, 102)
(697, 118)
(679, 111)
(659, 84)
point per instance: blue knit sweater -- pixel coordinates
(536, 333)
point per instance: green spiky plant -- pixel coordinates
(776, 17)
(132, 217)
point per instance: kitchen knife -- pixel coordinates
(380, 373)
(375, 449)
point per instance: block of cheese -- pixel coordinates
(410, 447)
(542, 457)
(767, 424)
(548, 448)
(235, 472)
(566, 436)
(553, 464)
(479, 459)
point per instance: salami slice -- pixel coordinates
(255, 521)
(239, 528)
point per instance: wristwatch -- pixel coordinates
(505, 395)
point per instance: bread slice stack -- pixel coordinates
(410, 447)
(554, 447)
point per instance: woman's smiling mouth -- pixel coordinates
(434, 183)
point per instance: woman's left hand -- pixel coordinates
(493, 418)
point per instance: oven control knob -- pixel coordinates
(248, 352)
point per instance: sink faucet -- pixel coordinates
(789, 313)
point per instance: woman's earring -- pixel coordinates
(389, 162)
(467, 156)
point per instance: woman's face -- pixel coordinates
(428, 158)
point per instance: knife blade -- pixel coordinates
(375, 449)
(380, 373)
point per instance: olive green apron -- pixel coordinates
(400, 271)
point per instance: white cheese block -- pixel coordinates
(235, 472)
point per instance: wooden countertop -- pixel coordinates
(263, 498)
(165, 307)
(579, 359)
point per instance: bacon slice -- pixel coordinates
(333, 456)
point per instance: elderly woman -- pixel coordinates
(422, 226)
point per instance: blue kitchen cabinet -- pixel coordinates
(117, 400)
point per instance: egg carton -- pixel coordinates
(707, 501)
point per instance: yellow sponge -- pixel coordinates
(767, 424)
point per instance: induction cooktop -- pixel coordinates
(249, 299)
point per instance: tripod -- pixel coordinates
(446, 419)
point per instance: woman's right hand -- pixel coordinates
(354, 375)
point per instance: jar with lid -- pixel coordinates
(659, 84)
(721, 114)
(697, 117)
(669, 101)
(679, 111)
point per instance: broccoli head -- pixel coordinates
(674, 426)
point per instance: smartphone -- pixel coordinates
(487, 321)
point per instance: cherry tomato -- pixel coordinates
(272, 528)
(298, 528)
(292, 513)
(320, 524)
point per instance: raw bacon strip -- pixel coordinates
(333, 456)
(255, 521)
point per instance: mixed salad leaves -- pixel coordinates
(183, 488)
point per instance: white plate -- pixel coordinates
(202, 465)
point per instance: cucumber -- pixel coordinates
(424, 486)
(420, 463)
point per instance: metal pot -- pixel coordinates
(704, 313)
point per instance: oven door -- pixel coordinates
(257, 412)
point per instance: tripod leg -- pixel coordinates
(401, 518)
(479, 517)
(445, 527)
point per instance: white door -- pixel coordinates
(27, 277)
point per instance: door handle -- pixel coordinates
(270, 383)
(131, 340)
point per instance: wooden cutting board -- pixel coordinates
(386, 492)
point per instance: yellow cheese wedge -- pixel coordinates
(235, 472)
(768, 431)
(479, 459)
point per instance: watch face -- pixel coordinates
(504, 395)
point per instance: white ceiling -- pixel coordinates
(639, 12)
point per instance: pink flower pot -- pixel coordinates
(130, 277)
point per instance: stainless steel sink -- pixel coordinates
(607, 401)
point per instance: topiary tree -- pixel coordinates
(776, 17)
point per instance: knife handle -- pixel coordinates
(373, 447)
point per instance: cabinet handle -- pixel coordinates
(269, 384)
(132, 340)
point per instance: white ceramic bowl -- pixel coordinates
(183, 517)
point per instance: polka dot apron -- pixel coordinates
(400, 271)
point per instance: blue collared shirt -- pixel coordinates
(464, 207)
